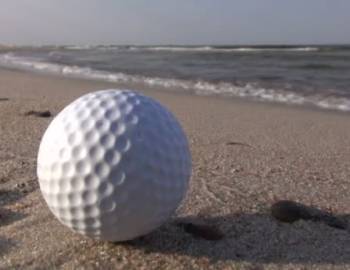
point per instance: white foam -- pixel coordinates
(77, 47)
(208, 49)
(248, 90)
(179, 49)
(225, 50)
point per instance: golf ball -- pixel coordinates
(114, 165)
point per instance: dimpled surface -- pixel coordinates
(114, 165)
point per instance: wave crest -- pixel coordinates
(208, 49)
(225, 49)
(249, 90)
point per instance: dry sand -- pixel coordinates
(281, 153)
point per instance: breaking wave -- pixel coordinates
(199, 87)
(226, 49)
(209, 49)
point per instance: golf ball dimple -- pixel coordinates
(114, 165)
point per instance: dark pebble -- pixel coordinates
(43, 114)
(20, 185)
(289, 211)
(238, 143)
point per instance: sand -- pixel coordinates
(246, 155)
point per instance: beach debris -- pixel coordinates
(290, 211)
(210, 233)
(4, 99)
(238, 143)
(43, 114)
(26, 187)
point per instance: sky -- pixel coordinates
(191, 22)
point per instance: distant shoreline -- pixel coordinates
(184, 45)
(293, 75)
(174, 91)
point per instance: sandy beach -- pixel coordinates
(246, 155)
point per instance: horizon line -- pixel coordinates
(175, 45)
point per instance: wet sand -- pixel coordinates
(246, 155)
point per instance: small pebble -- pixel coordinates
(20, 185)
(238, 143)
(44, 114)
(289, 211)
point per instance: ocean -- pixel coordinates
(317, 76)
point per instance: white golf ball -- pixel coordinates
(114, 165)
